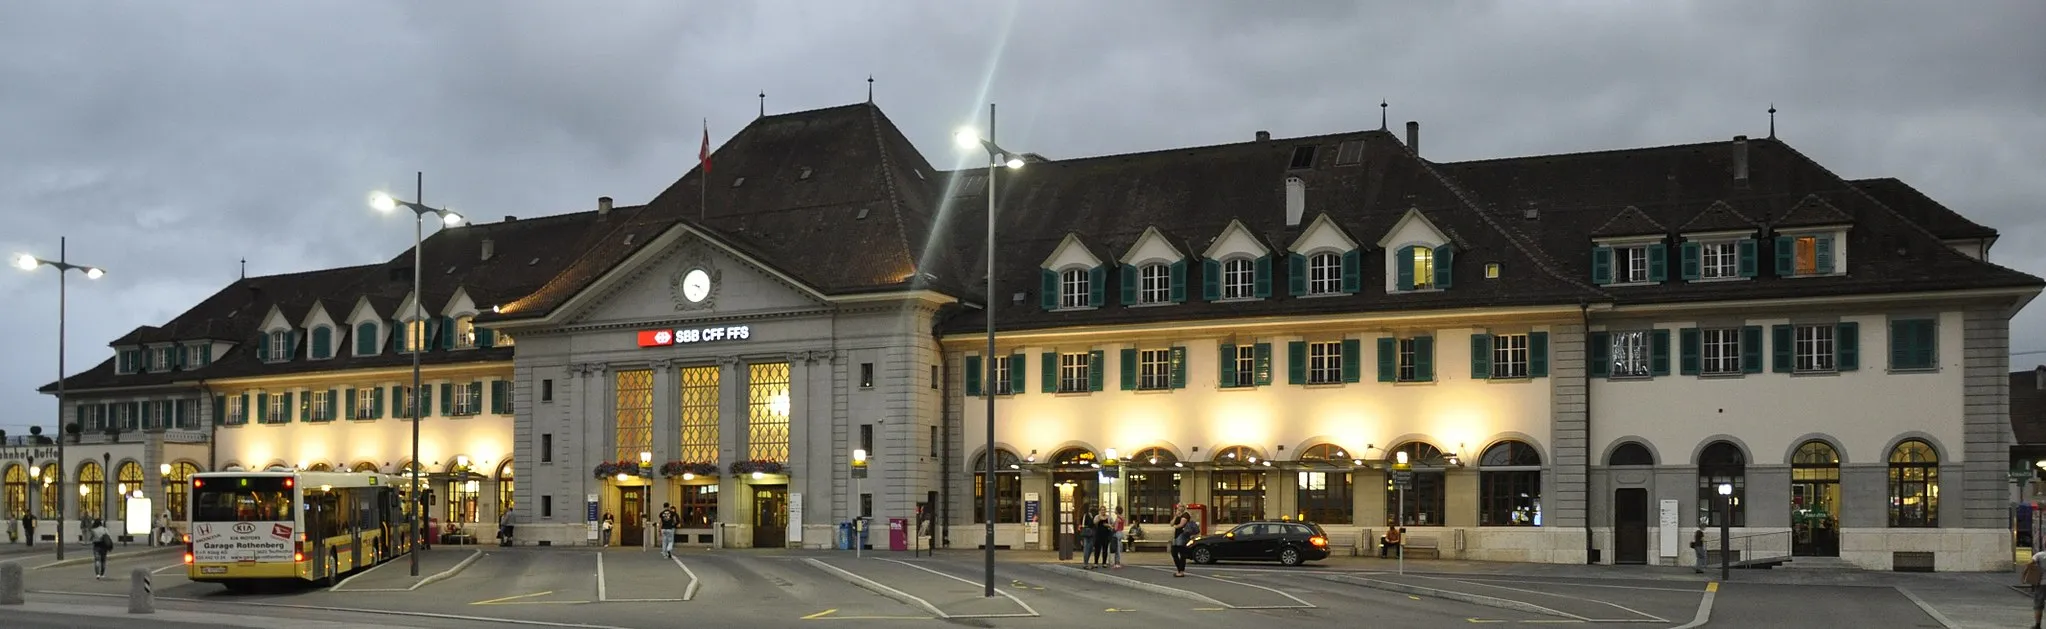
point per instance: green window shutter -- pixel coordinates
(1481, 356)
(447, 399)
(1538, 354)
(290, 407)
(1178, 276)
(1261, 277)
(262, 411)
(1048, 289)
(1016, 373)
(1601, 265)
(1128, 357)
(1928, 344)
(447, 333)
(1658, 262)
(1692, 260)
(1786, 257)
(1263, 357)
(334, 402)
(1405, 266)
(1751, 349)
(262, 347)
(1050, 371)
(498, 394)
(1296, 275)
(1601, 352)
(1658, 352)
(425, 400)
(1178, 358)
(1388, 359)
(1779, 354)
(349, 393)
(322, 338)
(973, 375)
(366, 339)
(1353, 360)
(376, 403)
(1296, 362)
(1847, 346)
(250, 408)
(1353, 271)
(1444, 265)
(1097, 285)
(1824, 251)
(1211, 280)
(220, 410)
(1424, 359)
(305, 408)
(1129, 284)
(1746, 257)
(486, 337)
(297, 339)
(1096, 363)
(1689, 346)
(180, 359)
(1225, 365)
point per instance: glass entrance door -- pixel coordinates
(1815, 501)
(770, 516)
(631, 516)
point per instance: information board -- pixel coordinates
(1668, 529)
(1031, 509)
(795, 526)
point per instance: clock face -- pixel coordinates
(695, 285)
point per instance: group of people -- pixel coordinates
(1102, 536)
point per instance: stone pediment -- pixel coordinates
(694, 277)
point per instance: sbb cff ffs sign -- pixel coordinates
(684, 336)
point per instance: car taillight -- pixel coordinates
(298, 551)
(188, 557)
(1318, 540)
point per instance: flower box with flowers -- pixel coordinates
(609, 469)
(757, 467)
(673, 469)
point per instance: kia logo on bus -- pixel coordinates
(244, 527)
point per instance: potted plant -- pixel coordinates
(76, 431)
(673, 469)
(757, 466)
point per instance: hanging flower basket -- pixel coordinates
(608, 469)
(763, 467)
(673, 469)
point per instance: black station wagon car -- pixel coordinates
(1289, 543)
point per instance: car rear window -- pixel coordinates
(1301, 529)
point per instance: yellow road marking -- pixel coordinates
(501, 601)
(1483, 620)
(1114, 610)
(1553, 622)
(1712, 587)
(1210, 609)
(821, 614)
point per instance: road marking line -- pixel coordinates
(359, 610)
(821, 614)
(884, 590)
(1652, 617)
(175, 565)
(1712, 587)
(600, 578)
(1704, 607)
(1927, 607)
(1132, 584)
(688, 593)
(1480, 621)
(1113, 610)
(473, 556)
(1029, 612)
(510, 598)
(1589, 585)
(1302, 603)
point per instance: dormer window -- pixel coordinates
(1717, 260)
(160, 358)
(1074, 288)
(1629, 263)
(1805, 255)
(501, 340)
(415, 335)
(366, 339)
(1239, 278)
(1324, 274)
(1420, 267)
(1154, 284)
(322, 343)
(280, 346)
(465, 332)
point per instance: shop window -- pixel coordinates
(1424, 502)
(699, 506)
(1008, 487)
(1510, 485)
(1914, 485)
(1722, 463)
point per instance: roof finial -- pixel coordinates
(1772, 121)
(245, 268)
(870, 89)
(763, 104)
(1381, 114)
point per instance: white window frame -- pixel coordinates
(277, 409)
(1325, 273)
(280, 345)
(465, 332)
(316, 405)
(1631, 354)
(1246, 365)
(1074, 289)
(461, 404)
(1719, 351)
(1000, 376)
(1325, 362)
(1424, 267)
(1239, 278)
(237, 409)
(190, 414)
(1073, 376)
(1630, 264)
(1509, 356)
(415, 334)
(365, 402)
(501, 339)
(1719, 259)
(1813, 348)
(1154, 283)
(160, 358)
(1154, 369)
(1406, 369)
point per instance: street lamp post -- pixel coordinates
(859, 474)
(64, 267)
(1403, 475)
(163, 471)
(1725, 530)
(996, 157)
(646, 472)
(383, 202)
(35, 477)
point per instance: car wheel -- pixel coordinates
(1289, 557)
(1204, 555)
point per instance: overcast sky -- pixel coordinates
(170, 140)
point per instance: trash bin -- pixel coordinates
(898, 534)
(845, 535)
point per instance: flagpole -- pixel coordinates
(703, 178)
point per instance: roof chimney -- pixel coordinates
(1740, 159)
(1414, 137)
(603, 206)
(489, 249)
(1264, 136)
(2039, 378)
(1296, 201)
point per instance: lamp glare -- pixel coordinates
(1014, 163)
(1400, 457)
(967, 137)
(26, 262)
(382, 202)
(450, 219)
(94, 273)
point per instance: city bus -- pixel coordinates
(281, 526)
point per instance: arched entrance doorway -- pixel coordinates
(1815, 500)
(1076, 481)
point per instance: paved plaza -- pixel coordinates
(460, 587)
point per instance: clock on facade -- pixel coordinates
(696, 285)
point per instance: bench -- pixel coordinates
(1346, 543)
(1430, 545)
(1140, 545)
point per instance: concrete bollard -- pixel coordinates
(141, 600)
(11, 584)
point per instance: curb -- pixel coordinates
(473, 556)
(899, 595)
(1474, 599)
(110, 556)
(1128, 582)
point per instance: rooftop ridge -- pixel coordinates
(1188, 149)
(1638, 149)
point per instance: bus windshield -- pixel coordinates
(259, 499)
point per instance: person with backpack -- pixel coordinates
(102, 543)
(1183, 531)
(669, 522)
(1085, 534)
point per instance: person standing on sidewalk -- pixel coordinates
(102, 543)
(1122, 526)
(1182, 534)
(1104, 536)
(1698, 548)
(28, 529)
(2031, 576)
(1085, 534)
(669, 522)
(608, 523)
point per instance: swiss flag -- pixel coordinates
(703, 154)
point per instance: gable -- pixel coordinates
(1236, 240)
(660, 288)
(363, 311)
(1153, 246)
(460, 304)
(317, 316)
(275, 321)
(1323, 235)
(1071, 253)
(1412, 229)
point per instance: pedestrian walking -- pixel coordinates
(608, 523)
(669, 522)
(102, 543)
(1104, 536)
(28, 529)
(1085, 534)
(1122, 525)
(504, 528)
(2031, 578)
(1183, 531)
(1698, 549)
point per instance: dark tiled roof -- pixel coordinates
(1812, 211)
(1629, 222)
(1719, 216)
(2028, 406)
(1921, 209)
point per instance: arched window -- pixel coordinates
(1722, 463)
(1424, 501)
(1324, 497)
(1815, 499)
(1914, 485)
(1324, 274)
(1631, 453)
(1074, 457)
(1237, 486)
(366, 339)
(53, 482)
(17, 492)
(1239, 278)
(1154, 283)
(464, 492)
(1152, 476)
(505, 495)
(365, 466)
(177, 488)
(1075, 289)
(320, 467)
(1510, 485)
(92, 490)
(129, 476)
(1008, 487)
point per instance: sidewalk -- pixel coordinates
(396, 574)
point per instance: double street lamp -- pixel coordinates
(384, 202)
(996, 158)
(63, 265)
